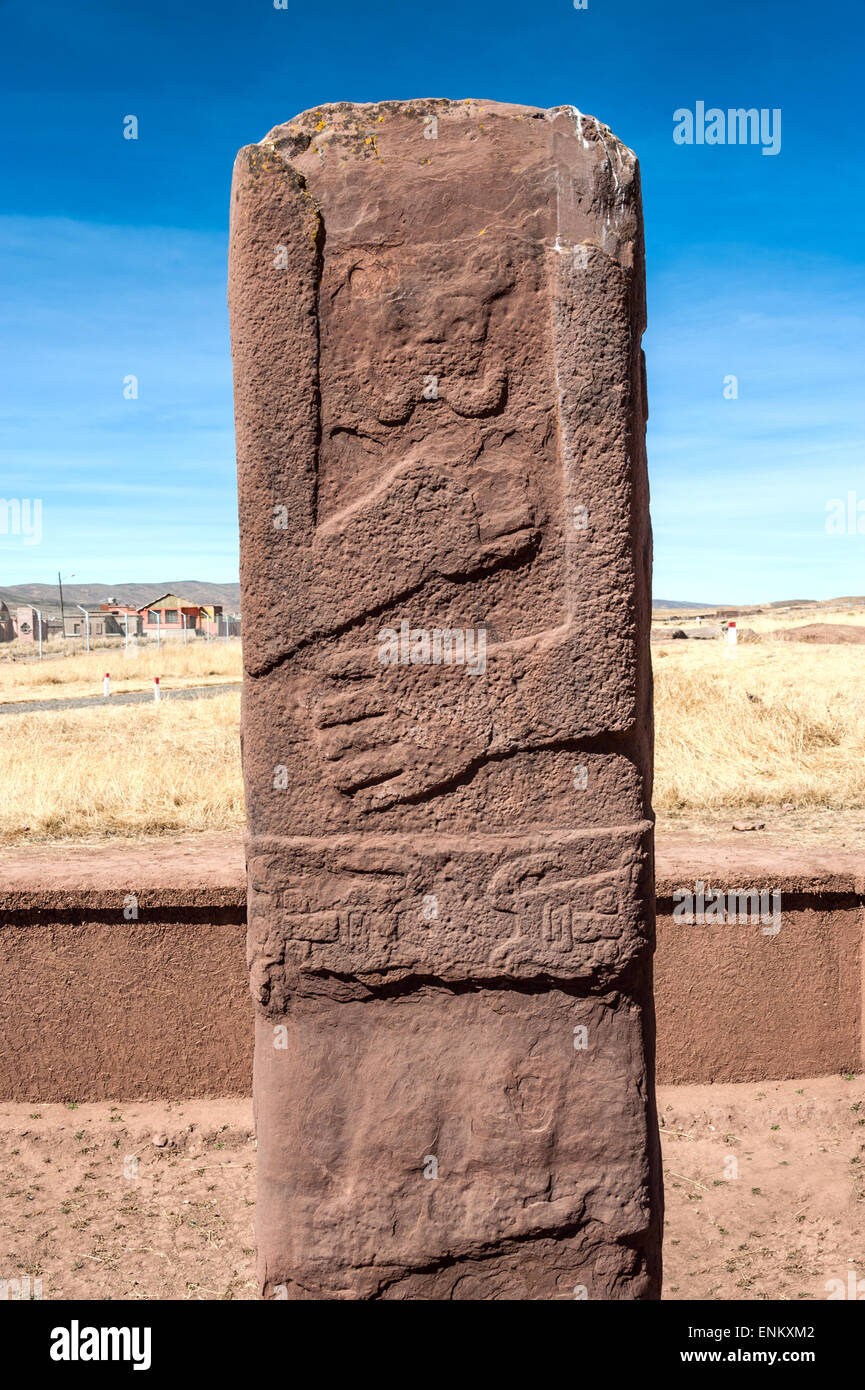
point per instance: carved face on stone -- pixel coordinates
(532, 1093)
(422, 356)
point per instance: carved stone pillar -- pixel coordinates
(436, 313)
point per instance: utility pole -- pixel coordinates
(62, 613)
(86, 626)
(62, 610)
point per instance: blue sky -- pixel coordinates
(112, 256)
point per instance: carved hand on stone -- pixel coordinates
(422, 521)
(392, 733)
(395, 732)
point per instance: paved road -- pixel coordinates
(130, 697)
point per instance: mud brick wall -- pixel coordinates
(94, 1006)
(99, 1004)
(122, 993)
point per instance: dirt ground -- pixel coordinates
(94, 861)
(137, 1201)
(765, 1189)
(806, 827)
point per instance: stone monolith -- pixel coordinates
(436, 313)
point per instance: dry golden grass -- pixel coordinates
(177, 664)
(774, 619)
(54, 646)
(776, 723)
(131, 771)
(767, 623)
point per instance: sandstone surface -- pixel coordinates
(436, 313)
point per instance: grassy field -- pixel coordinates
(766, 623)
(117, 773)
(777, 725)
(177, 664)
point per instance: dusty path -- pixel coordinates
(127, 697)
(92, 1206)
(216, 857)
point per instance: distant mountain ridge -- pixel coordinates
(46, 596)
(196, 590)
(681, 603)
(228, 595)
(673, 605)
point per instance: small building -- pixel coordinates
(101, 624)
(169, 616)
(7, 626)
(27, 623)
(127, 615)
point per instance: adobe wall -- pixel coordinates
(93, 1006)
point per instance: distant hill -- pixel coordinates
(200, 591)
(196, 590)
(731, 609)
(680, 603)
(47, 597)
